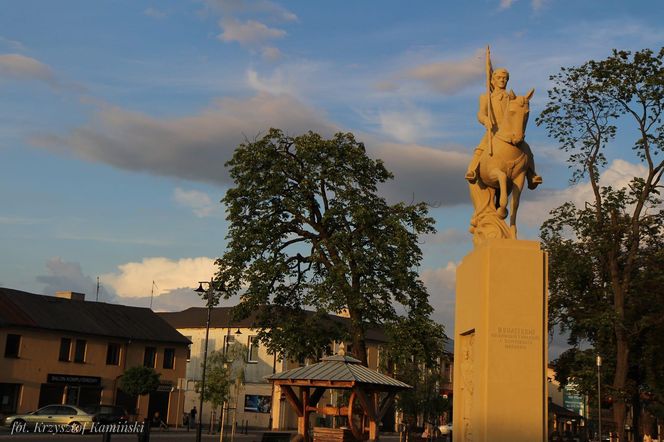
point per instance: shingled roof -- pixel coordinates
(339, 368)
(221, 317)
(22, 309)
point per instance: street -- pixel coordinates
(155, 436)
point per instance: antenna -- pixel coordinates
(152, 292)
(97, 298)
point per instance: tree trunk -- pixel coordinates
(619, 380)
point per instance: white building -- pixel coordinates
(255, 402)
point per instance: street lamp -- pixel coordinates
(599, 397)
(211, 295)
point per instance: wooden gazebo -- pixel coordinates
(365, 407)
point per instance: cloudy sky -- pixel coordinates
(116, 119)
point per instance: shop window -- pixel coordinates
(9, 394)
(149, 357)
(79, 351)
(12, 346)
(65, 350)
(113, 354)
(169, 358)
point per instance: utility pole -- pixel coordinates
(599, 398)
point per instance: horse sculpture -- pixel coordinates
(502, 170)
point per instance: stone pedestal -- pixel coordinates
(500, 347)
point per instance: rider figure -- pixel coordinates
(499, 100)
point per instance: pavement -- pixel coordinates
(156, 435)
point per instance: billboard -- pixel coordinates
(255, 403)
(573, 401)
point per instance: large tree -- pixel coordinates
(415, 354)
(308, 230)
(605, 253)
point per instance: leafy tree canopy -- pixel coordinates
(606, 268)
(222, 371)
(137, 381)
(309, 230)
(415, 355)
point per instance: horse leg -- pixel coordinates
(517, 187)
(501, 178)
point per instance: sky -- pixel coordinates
(116, 119)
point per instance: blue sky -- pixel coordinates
(116, 119)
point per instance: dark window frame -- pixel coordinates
(169, 358)
(113, 353)
(65, 350)
(80, 349)
(150, 357)
(13, 345)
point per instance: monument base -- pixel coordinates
(500, 347)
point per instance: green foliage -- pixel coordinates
(137, 381)
(606, 265)
(415, 355)
(223, 371)
(308, 230)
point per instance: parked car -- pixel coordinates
(108, 414)
(56, 418)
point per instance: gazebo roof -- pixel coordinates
(338, 368)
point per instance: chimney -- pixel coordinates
(74, 296)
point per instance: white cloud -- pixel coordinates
(155, 13)
(449, 76)
(134, 279)
(14, 45)
(270, 53)
(270, 9)
(249, 33)
(407, 125)
(505, 4)
(423, 173)
(618, 175)
(199, 202)
(192, 147)
(196, 147)
(441, 285)
(67, 276)
(20, 67)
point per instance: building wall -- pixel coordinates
(255, 373)
(255, 384)
(39, 357)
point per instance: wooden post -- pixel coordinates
(373, 417)
(303, 420)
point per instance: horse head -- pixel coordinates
(513, 127)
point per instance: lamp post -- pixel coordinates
(211, 296)
(599, 398)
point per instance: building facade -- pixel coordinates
(258, 405)
(65, 350)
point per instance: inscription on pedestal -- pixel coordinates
(515, 338)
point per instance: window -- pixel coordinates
(188, 349)
(169, 357)
(79, 351)
(12, 346)
(149, 357)
(253, 349)
(9, 394)
(65, 349)
(48, 410)
(228, 341)
(113, 354)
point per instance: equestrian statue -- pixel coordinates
(503, 162)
